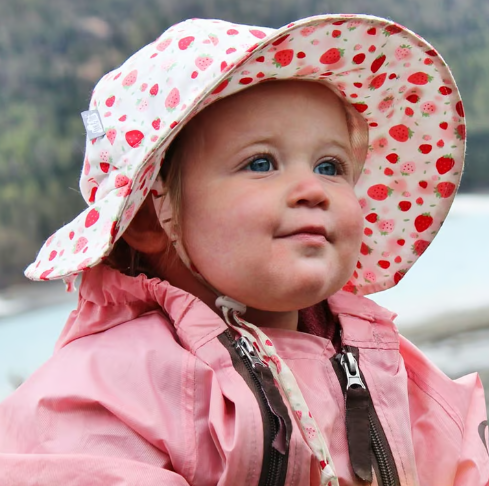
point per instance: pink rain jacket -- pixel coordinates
(142, 390)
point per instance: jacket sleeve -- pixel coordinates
(108, 409)
(473, 464)
(448, 423)
(81, 470)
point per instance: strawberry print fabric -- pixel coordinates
(393, 78)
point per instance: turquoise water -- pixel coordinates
(26, 341)
(451, 275)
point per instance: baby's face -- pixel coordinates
(269, 216)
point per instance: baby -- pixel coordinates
(246, 188)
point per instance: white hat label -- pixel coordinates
(93, 124)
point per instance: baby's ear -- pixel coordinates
(145, 233)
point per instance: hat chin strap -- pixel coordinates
(163, 208)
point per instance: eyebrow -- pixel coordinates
(324, 143)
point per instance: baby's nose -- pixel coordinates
(307, 190)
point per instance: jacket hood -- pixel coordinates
(108, 298)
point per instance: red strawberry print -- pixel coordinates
(404, 206)
(377, 64)
(331, 56)
(134, 138)
(336, 33)
(443, 125)
(358, 58)
(425, 148)
(80, 244)
(401, 133)
(419, 78)
(104, 167)
(92, 217)
(419, 247)
(232, 32)
(110, 101)
(392, 29)
(123, 118)
(431, 53)
(378, 81)
(444, 189)
(111, 134)
(372, 48)
(280, 40)
(423, 222)
(460, 108)
(419, 201)
(372, 31)
(398, 276)
(409, 111)
(130, 79)
(445, 90)
(93, 194)
(372, 217)
(245, 80)
(185, 43)
(384, 264)
(203, 62)
(392, 158)
(365, 250)
(388, 171)
(360, 107)
(460, 132)
(283, 58)
(154, 90)
(413, 98)
(221, 87)
(172, 100)
(53, 255)
(445, 164)
(379, 192)
(156, 123)
(258, 33)
(301, 55)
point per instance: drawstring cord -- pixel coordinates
(231, 311)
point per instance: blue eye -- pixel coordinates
(327, 167)
(260, 164)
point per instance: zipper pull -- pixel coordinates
(350, 366)
(357, 417)
(246, 350)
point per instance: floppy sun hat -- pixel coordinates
(394, 79)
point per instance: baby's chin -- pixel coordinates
(282, 298)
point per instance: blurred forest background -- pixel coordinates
(52, 52)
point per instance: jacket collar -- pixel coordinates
(108, 298)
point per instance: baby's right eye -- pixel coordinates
(260, 164)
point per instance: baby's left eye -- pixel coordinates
(328, 167)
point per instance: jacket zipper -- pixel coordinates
(249, 365)
(352, 381)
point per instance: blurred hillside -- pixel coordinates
(52, 52)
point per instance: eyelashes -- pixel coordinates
(266, 162)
